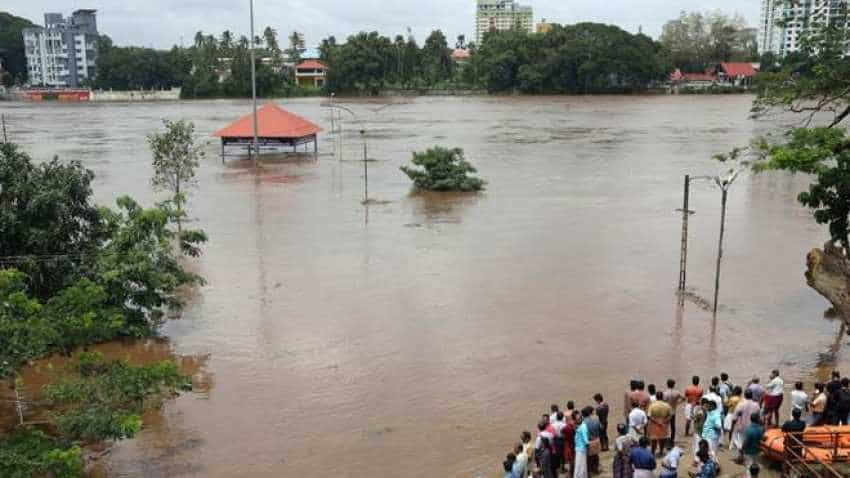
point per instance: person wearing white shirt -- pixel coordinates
(637, 420)
(799, 398)
(773, 398)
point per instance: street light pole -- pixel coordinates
(724, 195)
(365, 169)
(254, 85)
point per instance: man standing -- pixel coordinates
(756, 389)
(602, 410)
(658, 429)
(773, 398)
(582, 440)
(743, 417)
(693, 394)
(726, 386)
(642, 460)
(642, 396)
(637, 420)
(674, 398)
(752, 441)
(799, 398)
(630, 396)
(819, 405)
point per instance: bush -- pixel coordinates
(443, 169)
(27, 453)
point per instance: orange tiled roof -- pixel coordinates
(738, 69)
(311, 65)
(272, 122)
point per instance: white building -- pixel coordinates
(784, 23)
(63, 53)
(501, 15)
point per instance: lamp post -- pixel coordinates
(254, 145)
(724, 184)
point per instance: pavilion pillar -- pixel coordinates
(315, 148)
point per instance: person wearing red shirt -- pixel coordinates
(693, 395)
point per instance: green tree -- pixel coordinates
(175, 159)
(49, 226)
(437, 58)
(814, 86)
(12, 51)
(443, 169)
(362, 65)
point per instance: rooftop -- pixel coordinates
(272, 122)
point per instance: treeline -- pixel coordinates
(582, 58)
(12, 53)
(696, 40)
(213, 67)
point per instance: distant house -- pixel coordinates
(311, 73)
(738, 74)
(460, 55)
(693, 80)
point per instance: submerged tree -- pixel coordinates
(443, 169)
(175, 158)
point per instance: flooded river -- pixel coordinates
(419, 337)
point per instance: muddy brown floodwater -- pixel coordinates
(422, 342)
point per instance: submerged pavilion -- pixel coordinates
(276, 128)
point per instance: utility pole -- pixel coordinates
(254, 145)
(683, 260)
(365, 169)
(724, 185)
(724, 194)
(3, 120)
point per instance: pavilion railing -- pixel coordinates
(799, 460)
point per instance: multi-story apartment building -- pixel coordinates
(500, 15)
(785, 22)
(63, 53)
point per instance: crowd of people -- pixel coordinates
(568, 442)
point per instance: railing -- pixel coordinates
(799, 460)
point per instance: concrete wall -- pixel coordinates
(129, 96)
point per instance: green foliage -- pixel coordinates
(133, 68)
(222, 67)
(815, 85)
(107, 400)
(175, 159)
(27, 453)
(443, 169)
(582, 58)
(12, 50)
(74, 274)
(46, 212)
(362, 65)
(696, 40)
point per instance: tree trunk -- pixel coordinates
(829, 274)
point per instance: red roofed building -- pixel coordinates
(276, 127)
(693, 79)
(311, 73)
(738, 74)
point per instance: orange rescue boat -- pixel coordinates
(827, 444)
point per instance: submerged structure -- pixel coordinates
(276, 129)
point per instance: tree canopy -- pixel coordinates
(696, 39)
(12, 47)
(443, 169)
(814, 85)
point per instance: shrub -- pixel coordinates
(443, 169)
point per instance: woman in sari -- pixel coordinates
(622, 449)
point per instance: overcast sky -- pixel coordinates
(162, 23)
